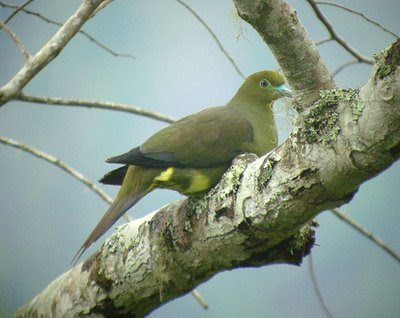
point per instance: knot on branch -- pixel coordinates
(387, 61)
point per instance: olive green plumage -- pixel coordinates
(192, 154)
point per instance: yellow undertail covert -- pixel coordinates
(186, 181)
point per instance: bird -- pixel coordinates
(191, 155)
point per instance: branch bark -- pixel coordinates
(260, 213)
(297, 55)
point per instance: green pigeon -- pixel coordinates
(191, 155)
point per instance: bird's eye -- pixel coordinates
(264, 83)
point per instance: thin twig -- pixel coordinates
(322, 41)
(199, 299)
(48, 51)
(231, 60)
(333, 4)
(55, 161)
(63, 166)
(82, 32)
(378, 241)
(16, 40)
(343, 66)
(316, 287)
(101, 7)
(58, 101)
(106, 48)
(17, 9)
(336, 36)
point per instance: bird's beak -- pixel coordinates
(284, 91)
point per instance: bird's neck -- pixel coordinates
(253, 107)
(261, 117)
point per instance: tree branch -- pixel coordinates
(317, 290)
(63, 166)
(343, 66)
(323, 41)
(365, 232)
(336, 36)
(260, 213)
(58, 101)
(297, 55)
(17, 9)
(58, 163)
(340, 6)
(83, 32)
(213, 35)
(199, 299)
(100, 7)
(16, 40)
(48, 52)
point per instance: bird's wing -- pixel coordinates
(209, 138)
(115, 177)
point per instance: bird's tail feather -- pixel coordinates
(129, 194)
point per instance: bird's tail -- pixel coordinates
(137, 183)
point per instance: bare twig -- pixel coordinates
(316, 287)
(378, 241)
(63, 166)
(95, 104)
(101, 7)
(334, 4)
(343, 66)
(55, 161)
(49, 51)
(17, 9)
(231, 60)
(336, 36)
(323, 41)
(199, 299)
(82, 32)
(106, 48)
(16, 40)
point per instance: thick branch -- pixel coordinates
(260, 213)
(48, 52)
(278, 25)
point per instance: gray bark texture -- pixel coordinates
(262, 210)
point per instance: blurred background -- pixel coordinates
(178, 70)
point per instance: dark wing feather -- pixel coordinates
(209, 138)
(115, 177)
(136, 157)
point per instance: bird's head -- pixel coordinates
(263, 88)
